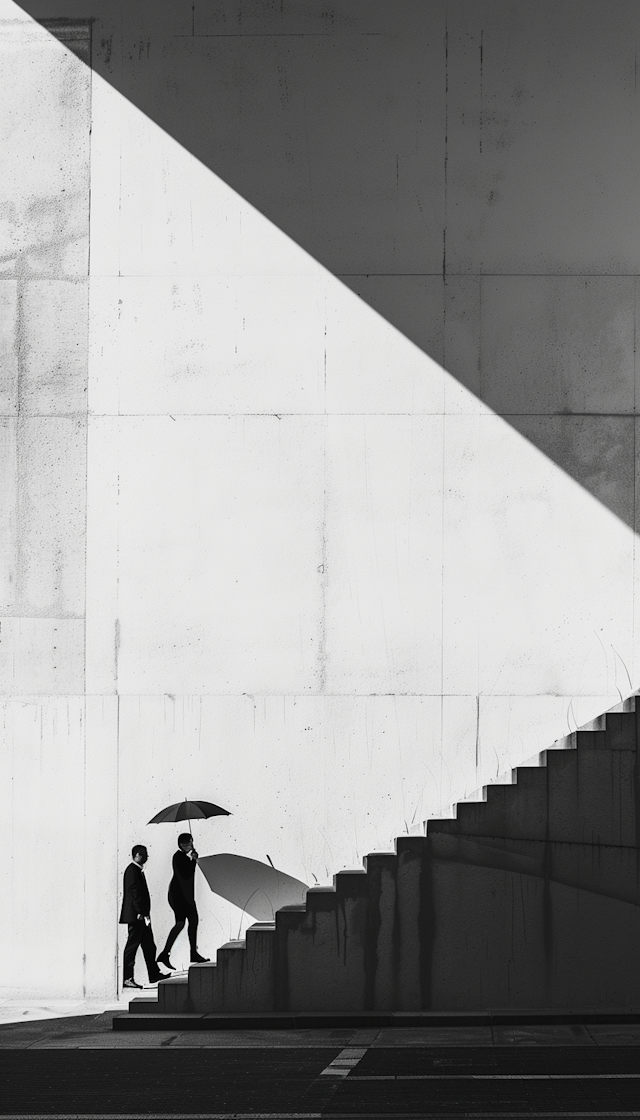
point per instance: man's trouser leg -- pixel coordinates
(131, 948)
(150, 952)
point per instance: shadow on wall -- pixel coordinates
(468, 168)
(252, 886)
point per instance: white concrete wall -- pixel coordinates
(341, 567)
(44, 228)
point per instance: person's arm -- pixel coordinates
(139, 904)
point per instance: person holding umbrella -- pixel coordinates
(181, 889)
(182, 900)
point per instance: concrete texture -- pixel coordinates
(82, 1064)
(541, 99)
(527, 899)
(343, 526)
(82, 1025)
(558, 344)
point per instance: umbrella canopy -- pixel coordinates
(189, 811)
(253, 886)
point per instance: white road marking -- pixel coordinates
(344, 1062)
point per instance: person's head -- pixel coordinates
(185, 841)
(139, 854)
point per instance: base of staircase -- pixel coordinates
(310, 1020)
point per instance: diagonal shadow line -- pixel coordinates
(569, 864)
(296, 122)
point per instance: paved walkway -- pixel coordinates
(74, 1066)
(27, 1011)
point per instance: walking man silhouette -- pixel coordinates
(182, 900)
(136, 912)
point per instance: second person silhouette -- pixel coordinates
(182, 900)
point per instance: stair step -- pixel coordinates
(173, 994)
(552, 846)
(352, 1020)
(591, 740)
(378, 861)
(144, 1006)
(259, 931)
(228, 951)
(202, 985)
(531, 777)
(448, 825)
(352, 884)
(620, 731)
(410, 845)
(289, 918)
(244, 976)
(320, 898)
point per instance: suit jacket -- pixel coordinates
(181, 887)
(136, 898)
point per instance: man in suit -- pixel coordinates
(136, 912)
(182, 900)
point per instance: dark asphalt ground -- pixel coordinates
(79, 1067)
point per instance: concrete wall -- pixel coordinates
(359, 528)
(527, 899)
(46, 119)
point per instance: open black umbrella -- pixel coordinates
(189, 811)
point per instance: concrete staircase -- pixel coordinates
(528, 898)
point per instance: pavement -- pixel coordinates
(26, 1011)
(67, 1062)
